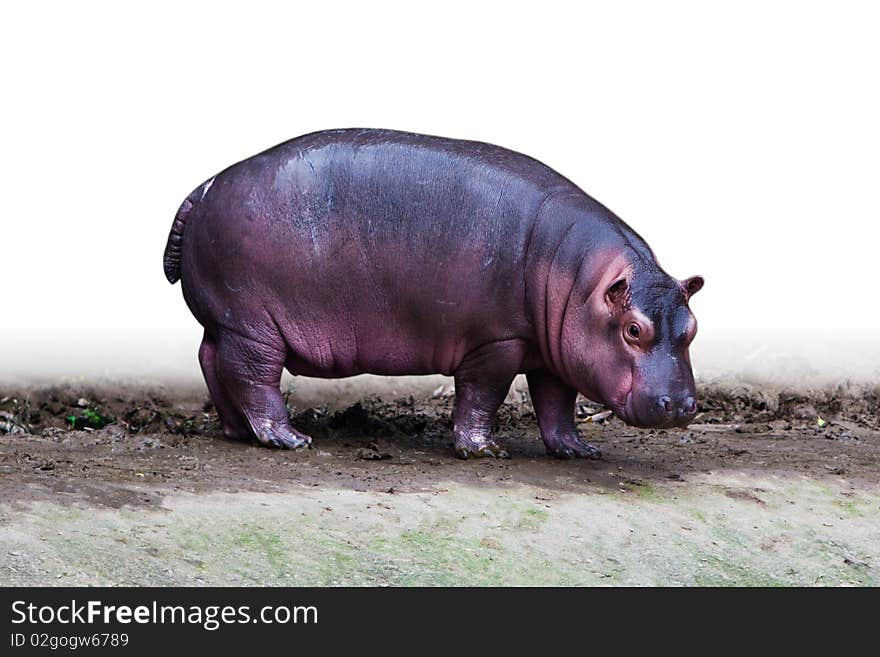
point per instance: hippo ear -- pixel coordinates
(617, 295)
(692, 285)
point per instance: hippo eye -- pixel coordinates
(638, 331)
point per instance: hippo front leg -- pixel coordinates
(482, 381)
(554, 404)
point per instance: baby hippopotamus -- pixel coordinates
(345, 252)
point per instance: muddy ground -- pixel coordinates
(131, 484)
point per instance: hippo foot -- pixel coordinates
(282, 437)
(466, 449)
(231, 433)
(571, 447)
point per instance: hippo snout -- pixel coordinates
(663, 411)
(678, 413)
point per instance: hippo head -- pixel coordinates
(627, 346)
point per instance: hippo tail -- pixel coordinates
(174, 247)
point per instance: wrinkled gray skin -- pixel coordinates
(352, 251)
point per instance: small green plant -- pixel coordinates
(90, 419)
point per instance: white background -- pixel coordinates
(741, 141)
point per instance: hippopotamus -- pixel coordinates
(356, 251)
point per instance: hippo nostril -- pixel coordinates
(690, 406)
(666, 404)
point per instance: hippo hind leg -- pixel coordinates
(231, 421)
(554, 406)
(249, 371)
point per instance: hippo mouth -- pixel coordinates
(622, 407)
(629, 412)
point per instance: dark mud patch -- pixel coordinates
(745, 495)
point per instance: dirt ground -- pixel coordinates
(126, 484)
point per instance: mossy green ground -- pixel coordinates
(710, 530)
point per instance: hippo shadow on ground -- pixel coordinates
(407, 425)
